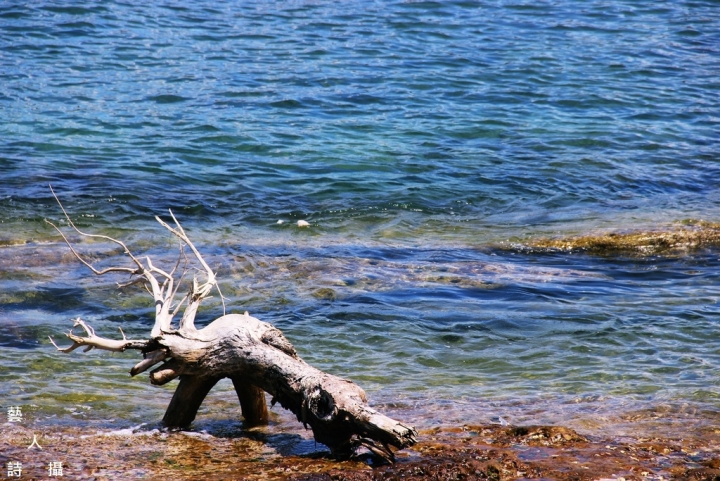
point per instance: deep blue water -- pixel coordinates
(419, 140)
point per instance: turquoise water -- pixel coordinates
(422, 141)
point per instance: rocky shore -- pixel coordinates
(491, 452)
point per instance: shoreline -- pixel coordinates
(487, 451)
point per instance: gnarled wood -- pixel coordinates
(186, 400)
(253, 354)
(241, 346)
(252, 402)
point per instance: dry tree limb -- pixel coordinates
(91, 341)
(255, 355)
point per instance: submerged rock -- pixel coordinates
(691, 235)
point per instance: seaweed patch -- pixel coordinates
(689, 235)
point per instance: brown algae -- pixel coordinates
(691, 234)
(461, 452)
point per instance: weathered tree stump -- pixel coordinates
(255, 355)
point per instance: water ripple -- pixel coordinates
(413, 137)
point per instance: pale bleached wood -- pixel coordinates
(255, 355)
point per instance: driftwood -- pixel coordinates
(253, 354)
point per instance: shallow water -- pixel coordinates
(421, 141)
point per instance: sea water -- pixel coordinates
(425, 143)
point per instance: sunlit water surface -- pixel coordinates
(422, 141)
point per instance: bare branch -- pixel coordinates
(150, 360)
(137, 280)
(165, 373)
(180, 233)
(162, 301)
(95, 236)
(87, 264)
(156, 270)
(222, 298)
(179, 305)
(91, 341)
(197, 292)
(162, 319)
(181, 257)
